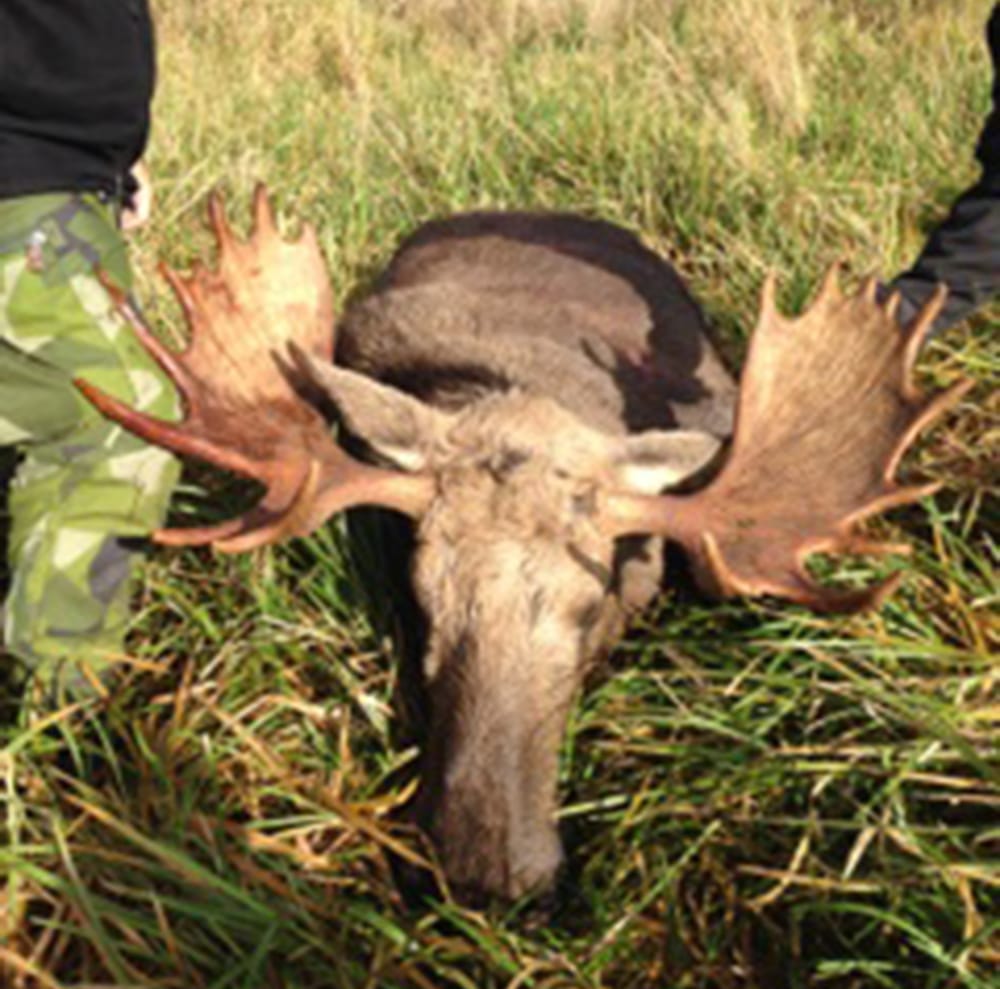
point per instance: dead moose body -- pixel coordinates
(535, 383)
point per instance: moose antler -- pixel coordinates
(251, 321)
(827, 407)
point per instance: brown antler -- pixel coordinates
(827, 407)
(269, 302)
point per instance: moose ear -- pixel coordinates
(398, 427)
(657, 459)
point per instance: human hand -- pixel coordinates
(140, 205)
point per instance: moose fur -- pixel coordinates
(532, 339)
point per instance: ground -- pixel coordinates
(753, 796)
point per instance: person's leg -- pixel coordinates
(86, 491)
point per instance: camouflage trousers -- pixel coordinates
(84, 492)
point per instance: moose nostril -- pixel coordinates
(487, 864)
(534, 871)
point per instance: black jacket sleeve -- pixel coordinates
(964, 251)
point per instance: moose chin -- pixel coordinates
(533, 390)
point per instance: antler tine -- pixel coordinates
(919, 327)
(201, 535)
(891, 305)
(768, 296)
(265, 527)
(830, 286)
(243, 407)
(163, 356)
(260, 526)
(264, 225)
(219, 222)
(171, 436)
(828, 601)
(827, 408)
(931, 410)
(182, 292)
(858, 545)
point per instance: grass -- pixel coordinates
(753, 796)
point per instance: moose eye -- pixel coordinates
(587, 615)
(504, 463)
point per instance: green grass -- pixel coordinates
(753, 796)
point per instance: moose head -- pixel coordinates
(519, 507)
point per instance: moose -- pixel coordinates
(539, 394)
